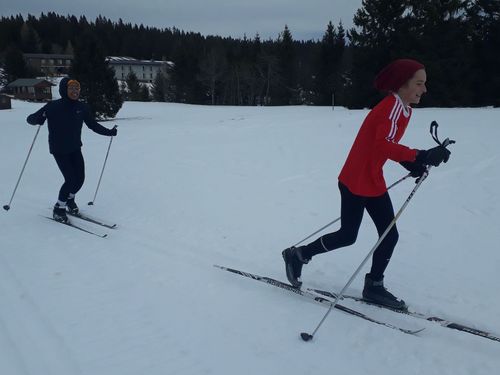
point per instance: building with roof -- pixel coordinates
(50, 64)
(30, 89)
(145, 70)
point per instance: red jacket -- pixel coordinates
(377, 141)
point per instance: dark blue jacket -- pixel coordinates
(65, 118)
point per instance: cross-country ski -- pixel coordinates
(316, 297)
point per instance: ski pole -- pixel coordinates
(91, 203)
(306, 336)
(337, 219)
(7, 206)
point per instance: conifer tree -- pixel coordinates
(3, 76)
(15, 66)
(341, 63)
(212, 68)
(160, 88)
(133, 87)
(380, 34)
(30, 39)
(440, 36)
(485, 23)
(99, 86)
(144, 94)
(326, 66)
(187, 87)
(286, 85)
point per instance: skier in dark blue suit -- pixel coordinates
(65, 118)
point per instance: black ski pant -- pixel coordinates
(352, 208)
(72, 167)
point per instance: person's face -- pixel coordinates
(73, 91)
(412, 91)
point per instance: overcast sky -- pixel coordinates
(306, 19)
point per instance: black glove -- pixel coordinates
(36, 118)
(113, 132)
(415, 168)
(433, 156)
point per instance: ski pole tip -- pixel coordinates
(90, 203)
(306, 336)
(6, 207)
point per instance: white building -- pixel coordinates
(145, 70)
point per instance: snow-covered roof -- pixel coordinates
(125, 60)
(26, 82)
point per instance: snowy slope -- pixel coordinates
(193, 186)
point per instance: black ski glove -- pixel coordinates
(433, 156)
(36, 118)
(415, 168)
(113, 131)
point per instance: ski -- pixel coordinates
(316, 297)
(443, 322)
(92, 220)
(70, 224)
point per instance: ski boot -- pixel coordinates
(374, 291)
(59, 213)
(294, 261)
(71, 206)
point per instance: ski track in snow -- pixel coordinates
(43, 349)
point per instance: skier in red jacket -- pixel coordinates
(361, 181)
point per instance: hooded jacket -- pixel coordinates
(65, 118)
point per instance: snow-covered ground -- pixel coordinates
(193, 186)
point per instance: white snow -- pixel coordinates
(192, 186)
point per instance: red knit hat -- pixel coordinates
(395, 75)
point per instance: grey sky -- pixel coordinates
(306, 19)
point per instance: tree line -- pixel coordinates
(457, 40)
